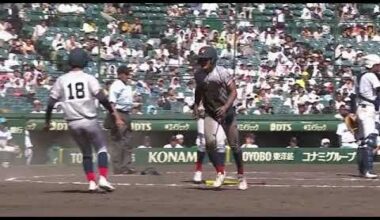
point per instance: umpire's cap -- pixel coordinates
(208, 52)
(78, 58)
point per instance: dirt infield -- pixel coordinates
(275, 190)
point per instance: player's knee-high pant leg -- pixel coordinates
(201, 144)
(215, 143)
(82, 138)
(367, 118)
(232, 133)
(98, 140)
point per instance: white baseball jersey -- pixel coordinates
(345, 134)
(367, 87)
(76, 90)
(367, 115)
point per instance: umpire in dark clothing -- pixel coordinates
(121, 97)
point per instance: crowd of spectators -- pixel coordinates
(297, 63)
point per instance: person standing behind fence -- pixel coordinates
(121, 98)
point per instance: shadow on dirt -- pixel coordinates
(75, 191)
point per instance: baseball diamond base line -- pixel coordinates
(229, 181)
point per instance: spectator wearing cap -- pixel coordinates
(37, 107)
(173, 143)
(325, 143)
(180, 140)
(249, 141)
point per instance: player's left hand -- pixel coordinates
(221, 112)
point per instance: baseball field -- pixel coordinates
(274, 190)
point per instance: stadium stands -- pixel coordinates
(282, 55)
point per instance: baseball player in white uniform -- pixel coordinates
(368, 93)
(6, 144)
(78, 91)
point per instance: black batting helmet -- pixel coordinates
(78, 58)
(208, 52)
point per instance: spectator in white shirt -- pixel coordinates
(272, 39)
(58, 42)
(146, 144)
(180, 140)
(249, 141)
(173, 143)
(37, 107)
(280, 16)
(209, 7)
(349, 54)
(162, 51)
(362, 36)
(39, 30)
(227, 52)
(306, 14)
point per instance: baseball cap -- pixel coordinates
(370, 60)
(325, 141)
(179, 136)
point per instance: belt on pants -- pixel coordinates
(349, 142)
